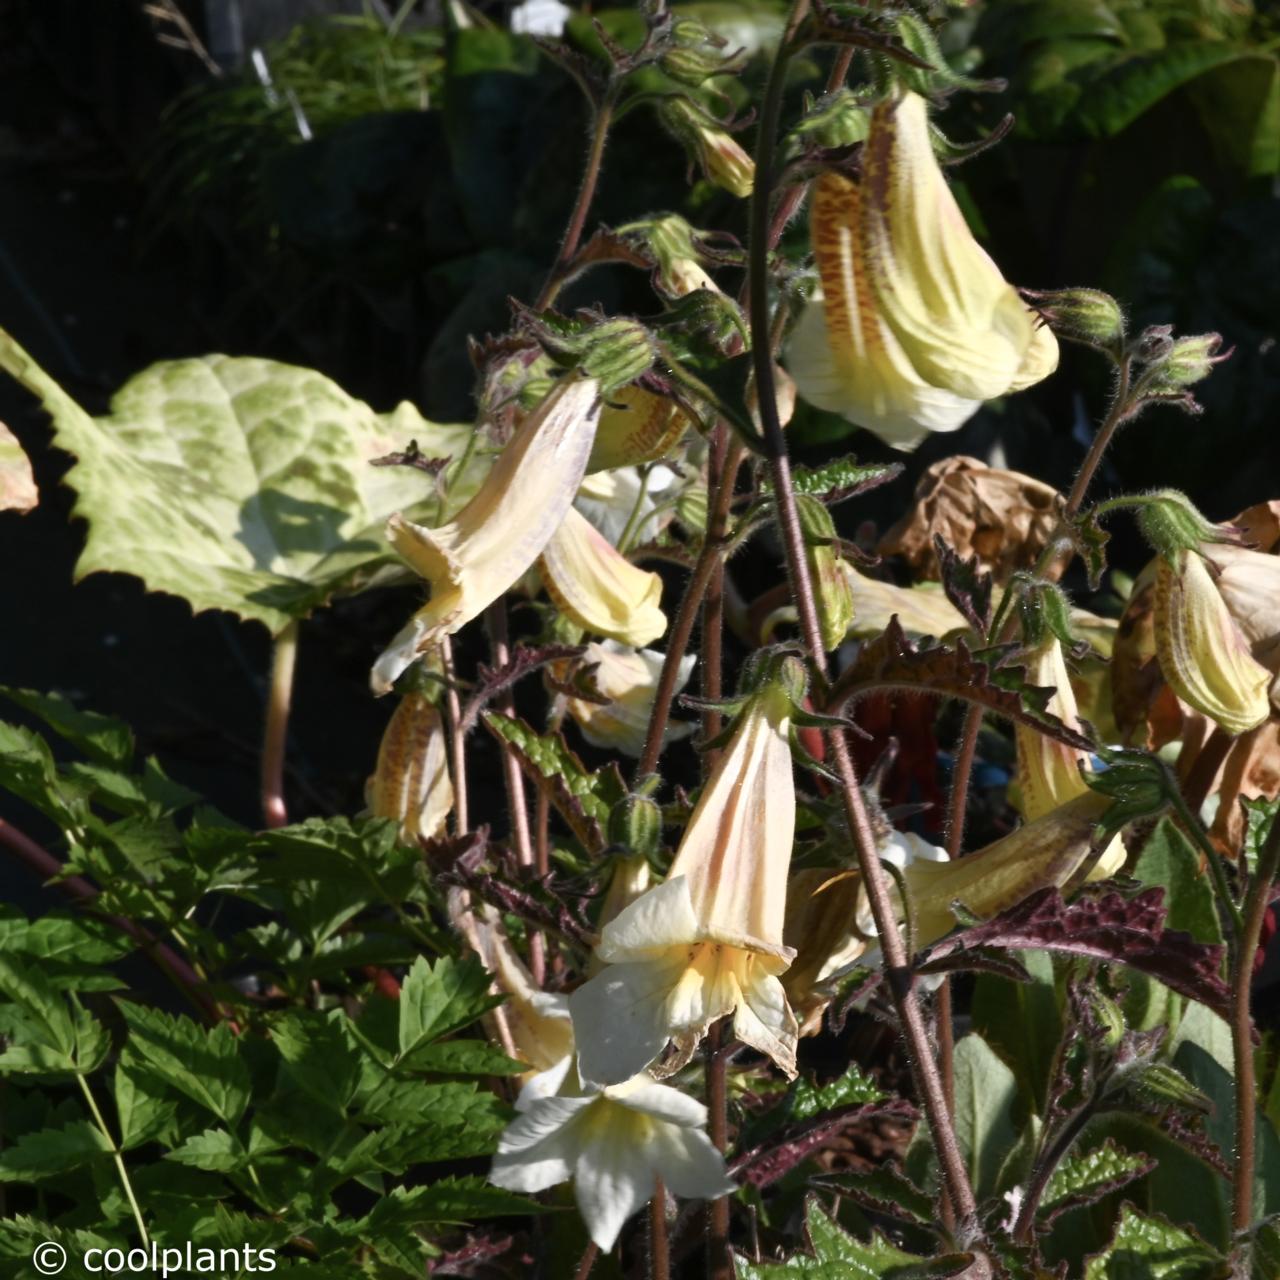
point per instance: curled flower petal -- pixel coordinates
(600, 589)
(914, 326)
(497, 536)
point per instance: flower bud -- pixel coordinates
(721, 159)
(1189, 360)
(411, 782)
(636, 824)
(1171, 524)
(833, 595)
(631, 875)
(836, 120)
(1087, 315)
(696, 53)
(617, 352)
(670, 242)
(1202, 652)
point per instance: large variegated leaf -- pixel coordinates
(240, 483)
(17, 483)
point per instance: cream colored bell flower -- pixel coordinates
(597, 587)
(707, 942)
(923, 610)
(411, 781)
(629, 679)
(1202, 652)
(1049, 770)
(914, 326)
(636, 425)
(497, 536)
(615, 1143)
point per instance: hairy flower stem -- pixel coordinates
(1255, 910)
(659, 1253)
(284, 658)
(587, 1261)
(517, 804)
(924, 1068)
(712, 552)
(562, 271)
(457, 741)
(711, 658)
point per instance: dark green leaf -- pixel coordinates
(214, 1149)
(52, 1151)
(1153, 1248)
(103, 739)
(435, 1000)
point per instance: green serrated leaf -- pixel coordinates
(885, 1191)
(584, 799)
(1082, 1179)
(843, 478)
(238, 483)
(103, 739)
(836, 1255)
(1169, 860)
(144, 1110)
(202, 1064)
(441, 998)
(214, 1150)
(52, 1151)
(1153, 1248)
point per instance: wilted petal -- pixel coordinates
(598, 587)
(1202, 652)
(763, 1018)
(497, 536)
(915, 326)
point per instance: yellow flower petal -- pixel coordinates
(636, 426)
(914, 326)
(1202, 653)
(629, 678)
(498, 535)
(411, 781)
(600, 589)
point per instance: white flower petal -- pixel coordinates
(614, 1176)
(620, 1020)
(537, 1150)
(689, 1164)
(659, 918)
(546, 1084)
(764, 1020)
(643, 1093)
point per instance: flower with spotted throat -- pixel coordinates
(914, 326)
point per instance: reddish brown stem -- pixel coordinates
(47, 867)
(924, 1068)
(719, 1260)
(457, 744)
(659, 1251)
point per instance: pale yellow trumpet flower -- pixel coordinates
(1202, 652)
(707, 942)
(597, 587)
(497, 536)
(914, 326)
(1049, 770)
(636, 426)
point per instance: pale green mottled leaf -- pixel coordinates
(240, 483)
(18, 490)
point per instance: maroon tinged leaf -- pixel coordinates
(1110, 927)
(494, 681)
(891, 661)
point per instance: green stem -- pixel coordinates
(920, 1056)
(1195, 829)
(634, 519)
(283, 660)
(1259, 898)
(119, 1160)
